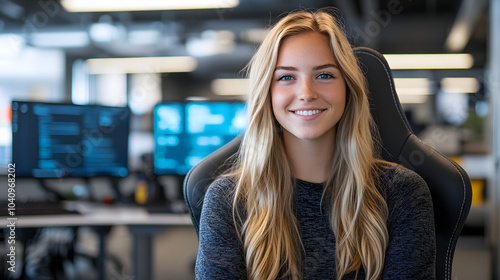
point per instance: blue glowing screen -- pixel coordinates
(185, 133)
(59, 140)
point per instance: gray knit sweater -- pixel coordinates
(410, 254)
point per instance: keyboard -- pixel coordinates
(30, 208)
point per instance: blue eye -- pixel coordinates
(285, 78)
(325, 76)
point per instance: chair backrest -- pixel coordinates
(449, 184)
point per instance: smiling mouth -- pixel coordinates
(307, 112)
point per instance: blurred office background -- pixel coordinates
(445, 56)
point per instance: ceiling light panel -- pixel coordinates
(460, 85)
(167, 64)
(409, 86)
(60, 39)
(430, 61)
(229, 86)
(133, 5)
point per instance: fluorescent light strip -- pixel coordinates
(229, 86)
(410, 86)
(255, 35)
(413, 91)
(60, 39)
(460, 85)
(196, 98)
(134, 5)
(413, 98)
(141, 65)
(430, 61)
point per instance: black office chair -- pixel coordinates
(448, 182)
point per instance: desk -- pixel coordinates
(141, 224)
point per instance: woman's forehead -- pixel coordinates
(306, 47)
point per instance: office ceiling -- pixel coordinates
(389, 26)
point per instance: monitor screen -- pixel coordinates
(63, 140)
(185, 133)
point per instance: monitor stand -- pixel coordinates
(53, 195)
(115, 186)
(155, 193)
(173, 192)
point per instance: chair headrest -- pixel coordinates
(385, 107)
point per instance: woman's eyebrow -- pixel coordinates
(329, 65)
(287, 68)
(319, 67)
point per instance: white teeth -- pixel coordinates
(307, 112)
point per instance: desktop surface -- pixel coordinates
(36, 208)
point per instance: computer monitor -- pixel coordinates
(187, 132)
(52, 140)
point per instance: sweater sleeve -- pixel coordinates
(412, 247)
(220, 252)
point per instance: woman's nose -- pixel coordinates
(307, 92)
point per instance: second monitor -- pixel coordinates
(186, 132)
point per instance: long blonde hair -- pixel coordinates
(265, 185)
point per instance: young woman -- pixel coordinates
(308, 198)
